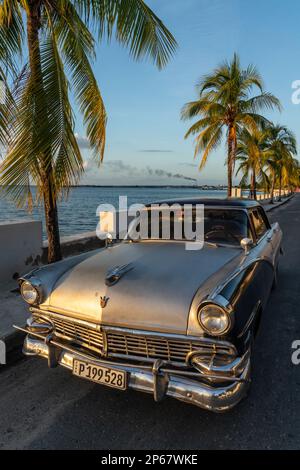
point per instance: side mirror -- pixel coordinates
(246, 244)
(108, 239)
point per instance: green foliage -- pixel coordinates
(36, 121)
(268, 154)
(226, 103)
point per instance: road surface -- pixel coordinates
(50, 409)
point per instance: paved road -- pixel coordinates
(41, 408)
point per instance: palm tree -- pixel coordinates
(294, 175)
(280, 161)
(36, 121)
(226, 101)
(252, 151)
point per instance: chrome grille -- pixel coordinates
(127, 344)
(80, 334)
(152, 347)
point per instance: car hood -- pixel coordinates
(155, 294)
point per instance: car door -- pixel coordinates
(264, 251)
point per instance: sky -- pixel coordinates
(145, 136)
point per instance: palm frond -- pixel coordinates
(43, 141)
(200, 125)
(77, 45)
(208, 140)
(66, 157)
(135, 26)
(263, 101)
(11, 35)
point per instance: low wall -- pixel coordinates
(238, 192)
(75, 244)
(87, 241)
(20, 248)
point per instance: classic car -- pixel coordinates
(152, 316)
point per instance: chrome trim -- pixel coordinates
(48, 312)
(134, 345)
(250, 319)
(224, 346)
(34, 326)
(200, 339)
(208, 367)
(113, 275)
(167, 383)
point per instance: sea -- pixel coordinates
(77, 213)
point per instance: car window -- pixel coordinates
(259, 223)
(220, 225)
(226, 226)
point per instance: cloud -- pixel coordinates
(119, 168)
(83, 142)
(167, 174)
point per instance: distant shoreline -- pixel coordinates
(204, 187)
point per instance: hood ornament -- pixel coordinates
(103, 300)
(115, 274)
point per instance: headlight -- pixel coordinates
(214, 319)
(29, 293)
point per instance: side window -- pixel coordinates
(259, 223)
(264, 217)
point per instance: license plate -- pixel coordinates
(102, 375)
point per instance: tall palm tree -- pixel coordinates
(252, 151)
(282, 149)
(226, 102)
(36, 121)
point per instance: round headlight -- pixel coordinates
(214, 319)
(29, 293)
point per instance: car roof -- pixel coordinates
(214, 202)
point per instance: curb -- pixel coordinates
(281, 203)
(14, 341)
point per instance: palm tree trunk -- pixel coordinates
(253, 185)
(50, 206)
(273, 187)
(280, 183)
(51, 218)
(230, 158)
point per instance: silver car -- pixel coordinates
(152, 316)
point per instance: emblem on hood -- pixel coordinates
(103, 300)
(115, 274)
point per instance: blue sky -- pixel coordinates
(145, 137)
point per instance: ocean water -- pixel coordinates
(77, 214)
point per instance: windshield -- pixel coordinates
(227, 226)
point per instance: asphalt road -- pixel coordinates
(50, 409)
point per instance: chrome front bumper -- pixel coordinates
(154, 379)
